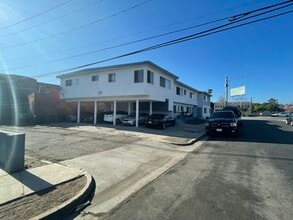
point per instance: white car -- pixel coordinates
(131, 119)
(108, 116)
(281, 114)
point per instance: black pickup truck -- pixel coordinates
(222, 122)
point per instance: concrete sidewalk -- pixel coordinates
(19, 187)
(121, 172)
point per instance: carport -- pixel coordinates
(128, 105)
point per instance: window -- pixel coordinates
(68, 82)
(162, 82)
(111, 77)
(72, 82)
(191, 95)
(185, 91)
(205, 98)
(138, 76)
(168, 83)
(205, 110)
(179, 91)
(150, 77)
(95, 78)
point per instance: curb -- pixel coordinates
(67, 207)
(191, 142)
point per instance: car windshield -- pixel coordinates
(157, 116)
(222, 115)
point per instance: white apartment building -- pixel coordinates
(134, 87)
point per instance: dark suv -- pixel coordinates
(236, 112)
(222, 122)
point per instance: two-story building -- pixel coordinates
(134, 87)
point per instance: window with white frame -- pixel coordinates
(205, 110)
(184, 91)
(150, 77)
(95, 78)
(205, 98)
(72, 82)
(112, 77)
(179, 91)
(162, 82)
(138, 76)
(191, 95)
(168, 83)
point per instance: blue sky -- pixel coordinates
(259, 56)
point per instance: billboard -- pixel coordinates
(237, 91)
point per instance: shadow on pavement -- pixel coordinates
(261, 131)
(33, 182)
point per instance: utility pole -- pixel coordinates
(226, 91)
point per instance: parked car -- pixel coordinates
(289, 120)
(108, 116)
(131, 119)
(222, 122)
(159, 120)
(281, 114)
(236, 112)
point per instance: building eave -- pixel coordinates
(115, 67)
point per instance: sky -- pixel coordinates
(42, 38)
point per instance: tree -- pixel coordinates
(273, 105)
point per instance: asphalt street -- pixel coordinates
(249, 177)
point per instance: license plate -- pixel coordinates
(219, 130)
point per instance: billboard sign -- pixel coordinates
(237, 91)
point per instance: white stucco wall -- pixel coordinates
(125, 89)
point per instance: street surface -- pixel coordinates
(250, 177)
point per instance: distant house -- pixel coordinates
(133, 87)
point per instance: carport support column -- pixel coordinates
(136, 113)
(114, 112)
(129, 108)
(95, 112)
(78, 112)
(151, 108)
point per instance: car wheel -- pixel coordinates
(173, 123)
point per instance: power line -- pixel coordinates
(154, 47)
(78, 27)
(127, 35)
(36, 15)
(49, 21)
(242, 15)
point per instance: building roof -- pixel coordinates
(127, 65)
(186, 86)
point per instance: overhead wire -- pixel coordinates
(172, 42)
(145, 31)
(36, 15)
(168, 33)
(78, 27)
(49, 21)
